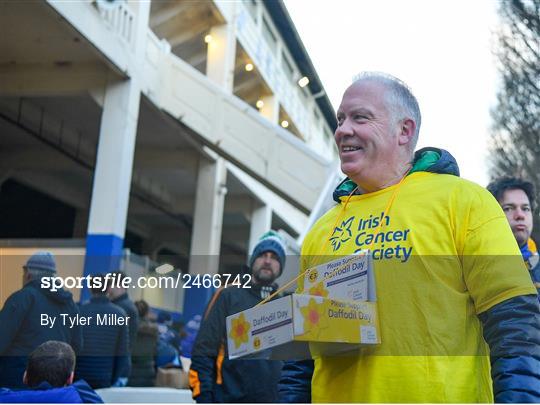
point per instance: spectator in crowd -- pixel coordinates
(143, 365)
(167, 331)
(215, 378)
(23, 322)
(104, 359)
(49, 377)
(168, 351)
(119, 296)
(188, 340)
(449, 277)
(516, 197)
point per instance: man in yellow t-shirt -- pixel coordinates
(452, 290)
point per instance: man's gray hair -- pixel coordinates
(399, 98)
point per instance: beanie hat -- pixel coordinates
(43, 261)
(270, 242)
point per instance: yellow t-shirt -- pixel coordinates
(443, 254)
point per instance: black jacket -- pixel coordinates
(21, 329)
(143, 354)
(236, 380)
(127, 305)
(104, 357)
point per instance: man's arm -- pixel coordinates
(295, 383)
(12, 315)
(512, 330)
(202, 374)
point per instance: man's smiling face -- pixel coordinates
(367, 134)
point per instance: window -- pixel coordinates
(287, 66)
(269, 36)
(251, 6)
(316, 114)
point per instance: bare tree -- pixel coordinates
(515, 144)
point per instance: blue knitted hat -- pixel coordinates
(270, 242)
(41, 261)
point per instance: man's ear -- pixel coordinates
(69, 381)
(407, 130)
(25, 378)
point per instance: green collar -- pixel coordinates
(426, 159)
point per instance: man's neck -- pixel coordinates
(259, 284)
(384, 177)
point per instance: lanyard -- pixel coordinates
(327, 239)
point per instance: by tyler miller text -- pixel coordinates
(73, 321)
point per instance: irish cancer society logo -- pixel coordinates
(341, 234)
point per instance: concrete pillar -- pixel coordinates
(270, 109)
(261, 222)
(221, 55)
(114, 162)
(112, 178)
(206, 237)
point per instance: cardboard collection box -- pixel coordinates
(345, 278)
(339, 315)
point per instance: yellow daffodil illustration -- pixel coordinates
(314, 319)
(239, 331)
(318, 290)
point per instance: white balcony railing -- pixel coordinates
(120, 19)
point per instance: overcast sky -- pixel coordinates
(441, 49)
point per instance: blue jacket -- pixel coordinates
(105, 356)
(76, 393)
(511, 329)
(20, 322)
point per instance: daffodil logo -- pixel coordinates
(257, 343)
(318, 290)
(239, 331)
(312, 315)
(313, 274)
(341, 233)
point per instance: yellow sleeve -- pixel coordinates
(493, 267)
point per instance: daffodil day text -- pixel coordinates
(387, 243)
(264, 319)
(346, 310)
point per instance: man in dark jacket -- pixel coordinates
(104, 359)
(23, 327)
(516, 197)
(144, 349)
(215, 378)
(119, 296)
(49, 376)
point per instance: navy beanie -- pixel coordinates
(270, 242)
